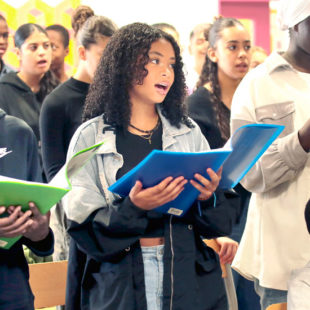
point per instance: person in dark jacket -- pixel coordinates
(19, 159)
(123, 254)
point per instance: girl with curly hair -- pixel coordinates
(123, 254)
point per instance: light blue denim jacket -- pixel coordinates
(91, 183)
(105, 267)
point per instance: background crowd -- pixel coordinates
(131, 89)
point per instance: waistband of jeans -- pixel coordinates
(156, 249)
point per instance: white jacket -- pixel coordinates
(275, 240)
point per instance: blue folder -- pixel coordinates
(238, 155)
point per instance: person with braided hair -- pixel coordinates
(226, 63)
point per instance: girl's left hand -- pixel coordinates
(39, 225)
(207, 187)
(228, 249)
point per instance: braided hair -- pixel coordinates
(209, 74)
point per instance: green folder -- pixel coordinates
(45, 196)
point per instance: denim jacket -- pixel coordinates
(105, 261)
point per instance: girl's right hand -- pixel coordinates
(153, 197)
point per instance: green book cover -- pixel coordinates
(19, 193)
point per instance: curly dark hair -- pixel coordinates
(79, 17)
(209, 73)
(122, 64)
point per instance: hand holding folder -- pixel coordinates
(16, 192)
(237, 157)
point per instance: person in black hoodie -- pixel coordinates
(19, 159)
(22, 93)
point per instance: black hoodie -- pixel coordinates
(19, 143)
(17, 99)
(18, 159)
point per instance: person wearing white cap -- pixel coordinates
(276, 241)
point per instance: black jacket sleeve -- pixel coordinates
(43, 247)
(216, 216)
(109, 231)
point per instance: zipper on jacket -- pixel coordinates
(172, 263)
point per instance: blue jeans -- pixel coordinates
(269, 296)
(153, 276)
(246, 295)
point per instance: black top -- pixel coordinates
(21, 161)
(200, 109)
(134, 149)
(61, 115)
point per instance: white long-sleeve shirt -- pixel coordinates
(275, 240)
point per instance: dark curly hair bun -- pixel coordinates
(79, 17)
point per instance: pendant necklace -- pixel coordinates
(147, 133)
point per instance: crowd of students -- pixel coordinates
(131, 90)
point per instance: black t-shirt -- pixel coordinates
(200, 109)
(135, 148)
(61, 115)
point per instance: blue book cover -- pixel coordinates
(238, 155)
(248, 143)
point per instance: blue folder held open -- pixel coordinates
(238, 155)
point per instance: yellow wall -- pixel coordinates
(42, 13)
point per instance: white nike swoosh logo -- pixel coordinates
(3, 152)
